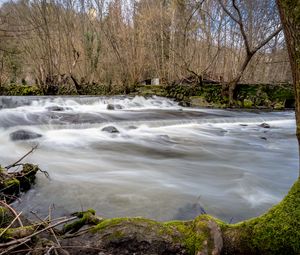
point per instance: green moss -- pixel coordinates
(199, 101)
(247, 103)
(192, 235)
(12, 182)
(15, 233)
(107, 223)
(279, 106)
(276, 232)
(84, 218)
(5, 217)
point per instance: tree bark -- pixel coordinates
(249, 48)
(290, 18)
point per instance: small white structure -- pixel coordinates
(155, 81)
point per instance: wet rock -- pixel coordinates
(114, 107)
(57, 108)
(110, 129)
(23, 135)
(263, 138)
(132, 127)
(184, 104)
(243, 125)
(265, 125)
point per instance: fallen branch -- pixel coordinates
(13, 212)
(10, 224)
(27, 238)
(19, 160)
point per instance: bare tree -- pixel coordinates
(251, 48)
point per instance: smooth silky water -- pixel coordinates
(168, 162)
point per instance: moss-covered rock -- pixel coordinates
(276, 232)
(199, 101)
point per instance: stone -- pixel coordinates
(23, 135)
(184, 103)
(114, 107)
(199, 101)
(265, 125)
(57, 108)
(110, 129)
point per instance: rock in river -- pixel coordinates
(23, 135)
(265, 125)
(110, 129)
(57, 108)
(114, 107)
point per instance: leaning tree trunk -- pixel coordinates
(290, 18)
(232, 85)
(278, 230)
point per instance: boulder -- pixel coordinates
(57, 108)
(265, 125)
(23, 135)
(114, 107)
(110, 129)
(132, 127)
(199, 101)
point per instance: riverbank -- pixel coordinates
(256, 96)
(275, 232)
(259, 96)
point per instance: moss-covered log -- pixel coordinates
(144, 236)
(276, 232)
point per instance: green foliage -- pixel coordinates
(248, 96)
(20, 90)
(247, 103)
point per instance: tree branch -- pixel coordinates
(269, 38)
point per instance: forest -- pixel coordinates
(119, 43)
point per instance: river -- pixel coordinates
(165, 162)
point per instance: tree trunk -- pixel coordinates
(290, 18)
(233, 84)
(278, 230)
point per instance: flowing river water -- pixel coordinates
(166, 162)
